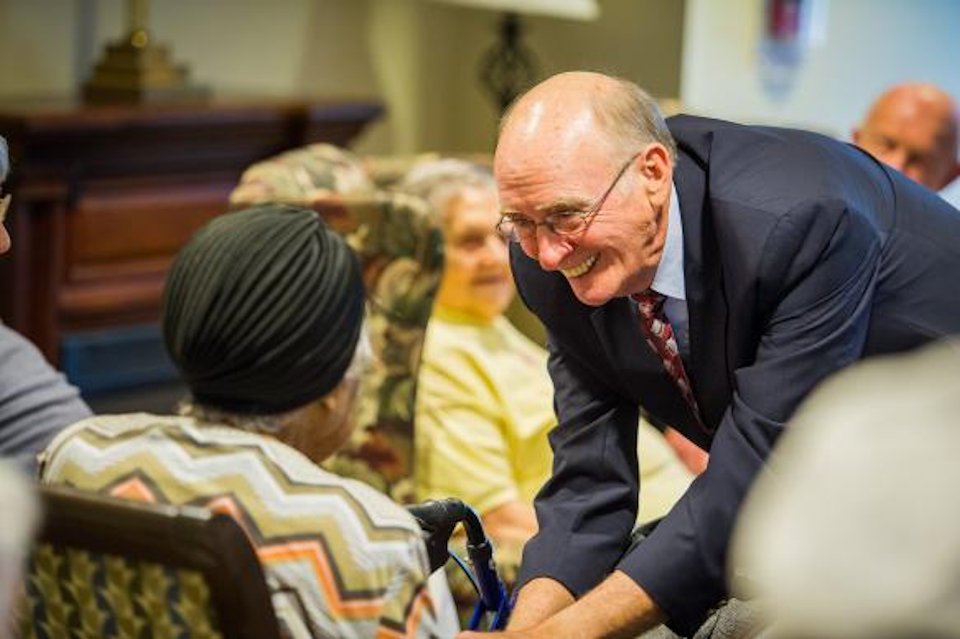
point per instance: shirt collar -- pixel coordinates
(668, 279)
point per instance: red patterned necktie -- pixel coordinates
(659, 335)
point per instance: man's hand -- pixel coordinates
(538, 600)
(616, 608)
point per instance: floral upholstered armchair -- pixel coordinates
(399, 244)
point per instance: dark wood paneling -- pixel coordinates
(105, 196)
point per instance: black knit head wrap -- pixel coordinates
(263, 309)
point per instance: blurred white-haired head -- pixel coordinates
(18, 503)
(854, 528)
(439, 181)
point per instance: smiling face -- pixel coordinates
(552, 157)
(476, 273)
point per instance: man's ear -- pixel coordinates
(655, 162)
(657, 170)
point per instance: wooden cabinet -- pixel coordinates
(103, 197)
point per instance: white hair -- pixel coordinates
(632, 119)
(21, 514)
(853, 530)
(440, 181)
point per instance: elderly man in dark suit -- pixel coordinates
(713, 274)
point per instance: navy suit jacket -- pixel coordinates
(802, 255)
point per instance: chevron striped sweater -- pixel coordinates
(341, 559)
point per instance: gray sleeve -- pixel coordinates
(36, 401)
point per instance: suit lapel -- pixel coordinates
(708, 368)
(638, 368)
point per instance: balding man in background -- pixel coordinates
(914, 128)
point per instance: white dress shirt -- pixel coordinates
(669, 280)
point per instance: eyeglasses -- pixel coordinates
(520, 228)
(4, 205)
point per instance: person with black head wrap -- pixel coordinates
(263, 317)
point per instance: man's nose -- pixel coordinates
(915, 173)
(551, 250)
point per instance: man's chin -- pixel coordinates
(589, 295)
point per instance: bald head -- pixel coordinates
(914, 128)
(571, 109)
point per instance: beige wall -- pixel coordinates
(313, 46)
(863, 47)
(454, 114)
(36, 46)
(419, 56)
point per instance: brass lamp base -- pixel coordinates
(135, 71)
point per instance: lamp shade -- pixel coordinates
(572, 9)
